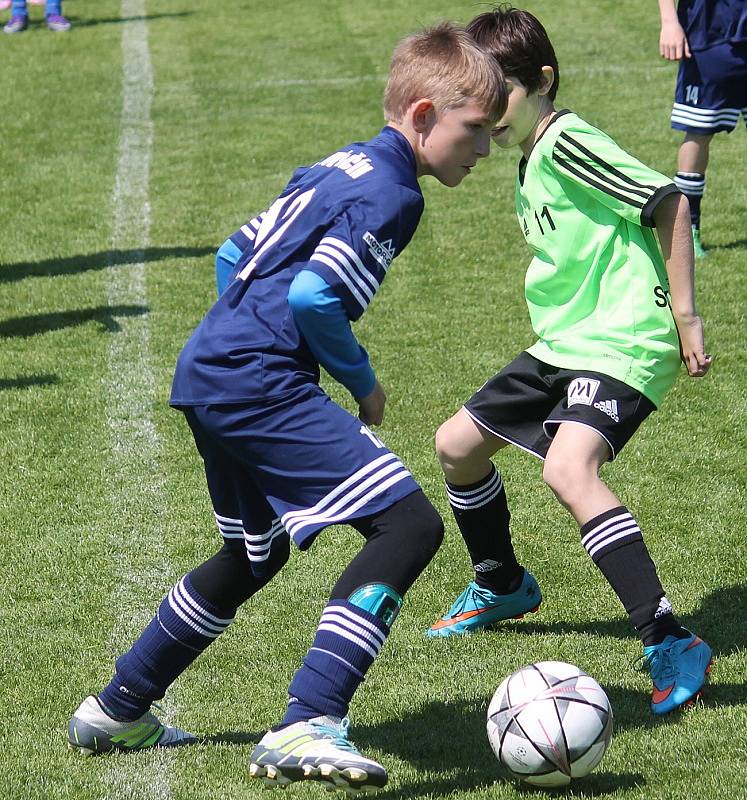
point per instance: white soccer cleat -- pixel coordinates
(92, 730)
(316, 750)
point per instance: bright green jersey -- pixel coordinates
(597, 287)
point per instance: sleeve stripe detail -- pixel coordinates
(326, 250)
(248, 232)
(342, 275)
(584, 165)
(596, 184)
(603, 164)
(353, 256)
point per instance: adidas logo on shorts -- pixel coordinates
(609, 407)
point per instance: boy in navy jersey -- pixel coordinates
(709, 39)
(282, 460)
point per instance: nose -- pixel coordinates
(482, 144)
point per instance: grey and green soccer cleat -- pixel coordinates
(92, 731)
(317, 750)
(478, 608)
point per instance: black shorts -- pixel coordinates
(528, 400)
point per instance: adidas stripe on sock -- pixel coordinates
(184, 625)
(481, 512)
(615, 544)
(347, 641)
(692, 185)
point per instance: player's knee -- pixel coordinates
(566, 477)
(428, 531)
(450, 448)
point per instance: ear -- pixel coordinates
(548, 79)
(423, 115)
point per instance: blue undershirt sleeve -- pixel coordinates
(225, 261)
(321, 318)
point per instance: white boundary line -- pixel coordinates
(135, 480)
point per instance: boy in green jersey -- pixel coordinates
(613, 319)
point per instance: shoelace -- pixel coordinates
(658, 664)
(339, 736)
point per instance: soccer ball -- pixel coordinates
(549, 722)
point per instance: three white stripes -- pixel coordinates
(352, 494)
(610, 531)
(196, 617)
(476, 498)
(705, 118)
(347, 265)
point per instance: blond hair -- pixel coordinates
(445, 65)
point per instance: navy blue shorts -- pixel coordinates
(528, 400)
(711, 90)
(292, 467)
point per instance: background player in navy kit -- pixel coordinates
(709, 39)
(282, 460)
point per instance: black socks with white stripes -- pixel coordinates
(614, 542)
(692, 185)
(481, 512)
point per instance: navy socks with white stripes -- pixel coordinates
(347, 641)
(615, 544)
(481, 512)
(184, 625)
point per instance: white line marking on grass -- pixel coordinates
(135, 479)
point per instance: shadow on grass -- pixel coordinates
(27, 381)
(90, 23)
(737, 244)
(719, 620)
(105, 316)
(72, 265)
(447, 743)
(232, 737)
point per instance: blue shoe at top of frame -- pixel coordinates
(678, 669)
(477, 608)
(16, 24)
(58, 23)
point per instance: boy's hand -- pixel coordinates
(371, 407)
(690, 329)
(672, 42)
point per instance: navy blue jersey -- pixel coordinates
(345, 218)
(710, 22)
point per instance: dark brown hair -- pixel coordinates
(518, 41)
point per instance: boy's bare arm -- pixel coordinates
(672, 218)
(672, 40)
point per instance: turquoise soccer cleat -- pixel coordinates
(477, 608)
(678, 668)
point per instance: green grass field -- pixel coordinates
(131, 147)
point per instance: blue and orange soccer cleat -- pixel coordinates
(678, 668)
(477, 608)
